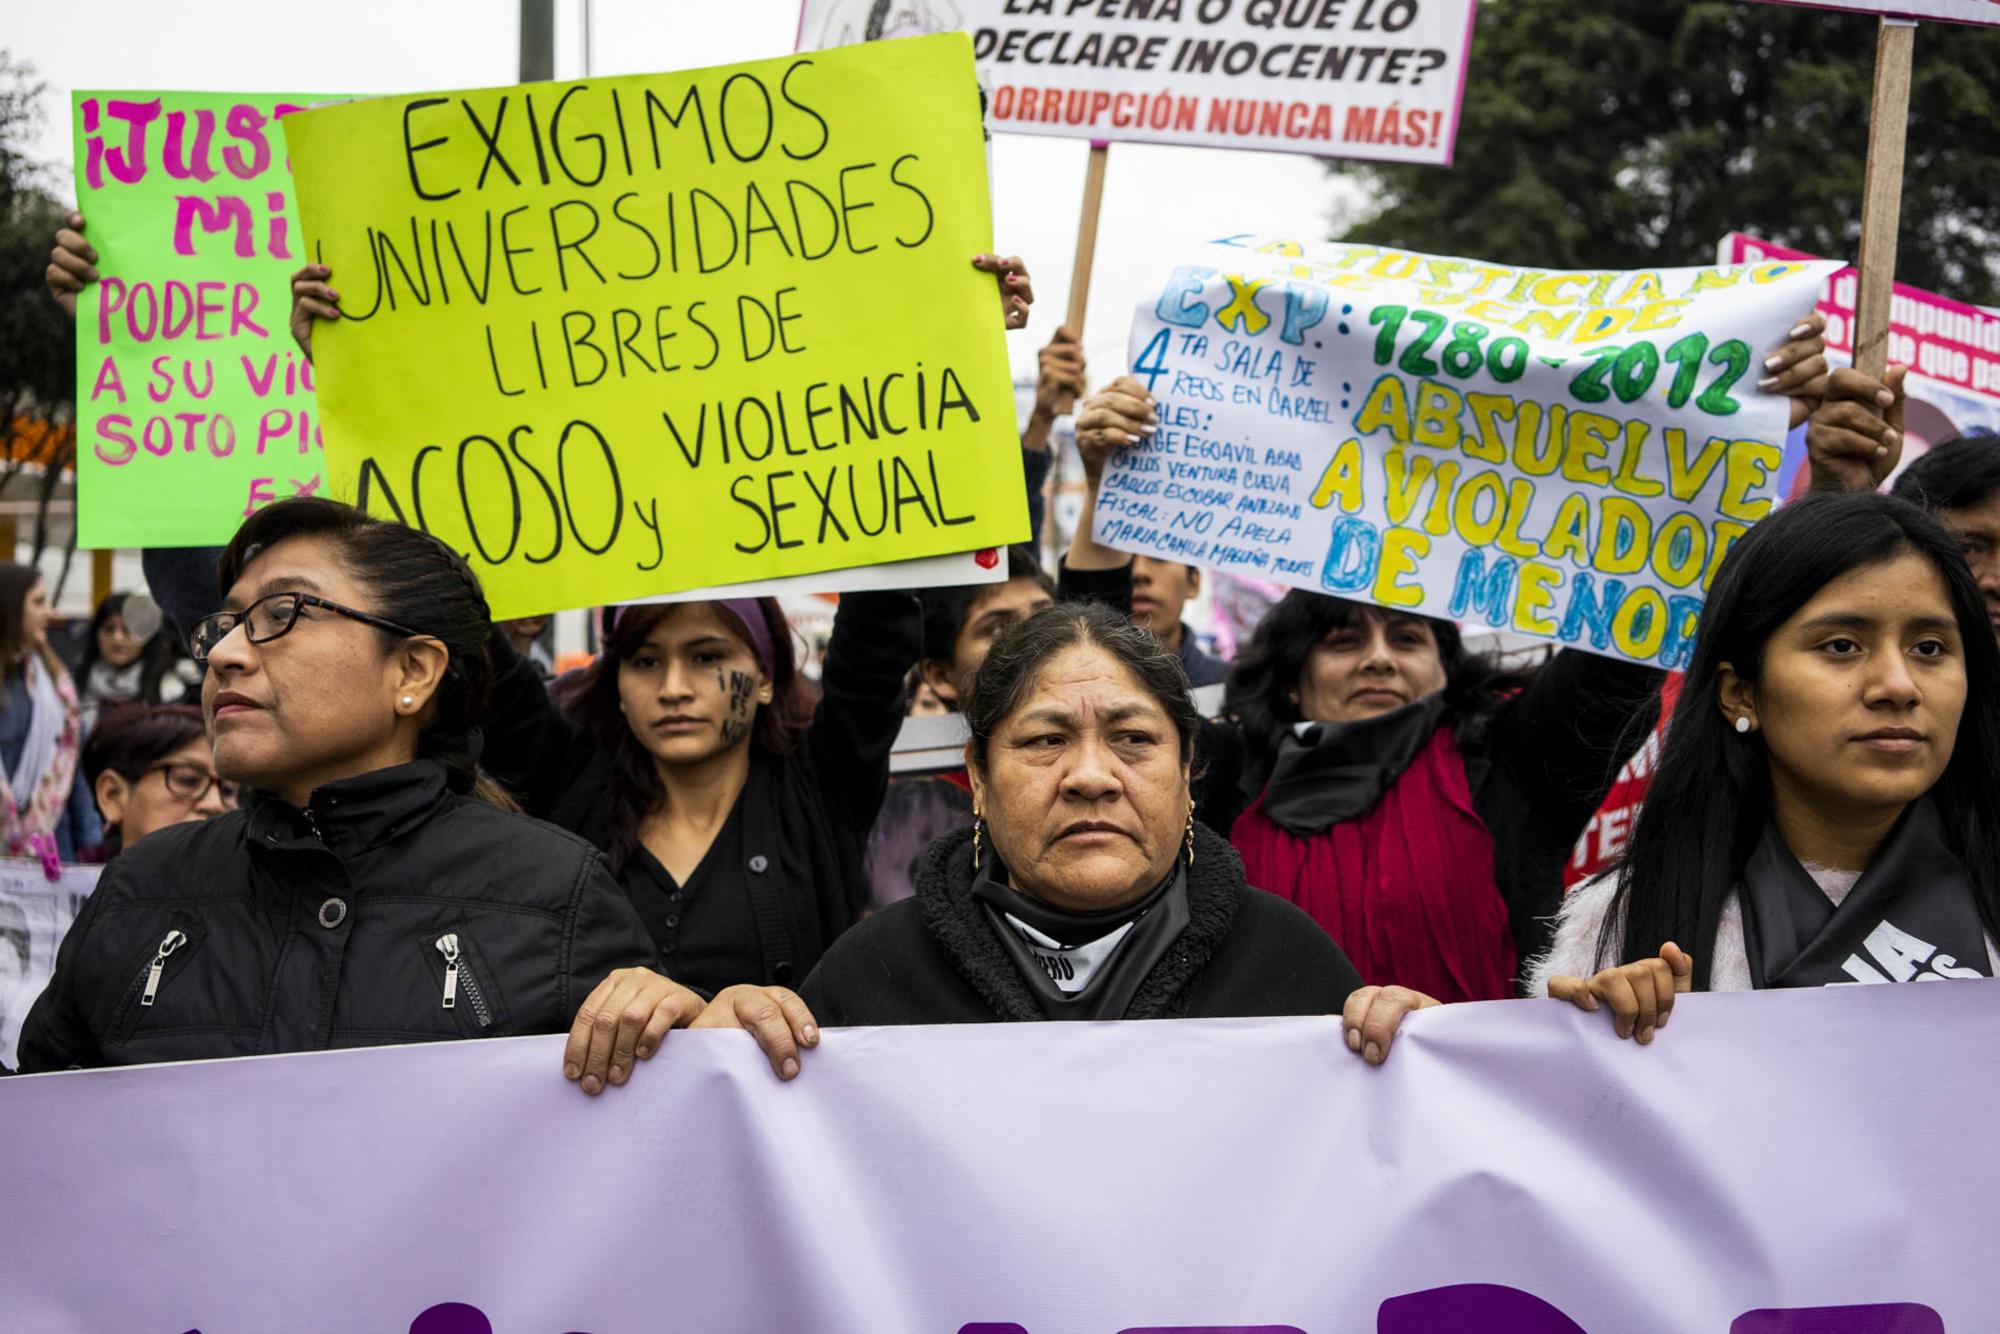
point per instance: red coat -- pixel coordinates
(1407, 890)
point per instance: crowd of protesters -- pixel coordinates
(435, 839)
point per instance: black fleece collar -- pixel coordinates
(1156, 922)
(958, 922)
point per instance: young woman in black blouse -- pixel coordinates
(735, 810)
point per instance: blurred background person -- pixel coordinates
(130, 656)
(149, 766)
(47, 811)
(961, 622)
(1959, 482)
(923, 701)
(1417, 800)
(1161, 590)
(529, 636)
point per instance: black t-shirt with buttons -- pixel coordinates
(705, 929)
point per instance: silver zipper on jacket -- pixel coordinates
(170, 942)
(447, 945)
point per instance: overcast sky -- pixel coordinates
(1157, 200)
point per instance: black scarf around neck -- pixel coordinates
(1911, 917)
(1157, 920)
(1338, 771)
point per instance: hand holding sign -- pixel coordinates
(72, 265)
(1016, 292)
(1120, 414)
(313, 298)
(1855, 439)
(1798, 369)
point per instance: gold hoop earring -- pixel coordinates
(1190, 834)
(977, 824)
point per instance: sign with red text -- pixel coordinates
(1604, 839)
(1378, 79)
(1984, 12)
(1951, 348)
(1513, 1167)
(1567, 455)
(193, 404)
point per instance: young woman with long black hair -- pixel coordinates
(734, 808)
(1823, 808)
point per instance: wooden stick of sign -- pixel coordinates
(1086, 247)
(1882, 195)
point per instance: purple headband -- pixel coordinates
(748, 613)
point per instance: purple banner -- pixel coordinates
(1808, 1162)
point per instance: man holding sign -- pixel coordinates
(1322, 414)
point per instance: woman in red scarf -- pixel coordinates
(1417, 802)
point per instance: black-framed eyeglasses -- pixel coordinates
(272, 617)
(191, 782)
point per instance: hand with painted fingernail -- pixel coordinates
(1854, 439)
(1017, 291)
(1798, 369)
(1116, 417)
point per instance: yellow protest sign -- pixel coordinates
(629, 336)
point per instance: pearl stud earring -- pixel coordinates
(1742, 725)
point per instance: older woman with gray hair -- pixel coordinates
(1084, 889)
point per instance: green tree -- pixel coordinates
(1639, 132)
(37, 341)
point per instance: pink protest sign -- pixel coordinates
(1983, 12)
(193, 405)
(1951, 348)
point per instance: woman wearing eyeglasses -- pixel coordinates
(363, 894)
(149, 766)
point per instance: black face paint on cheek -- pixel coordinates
(739, 688)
